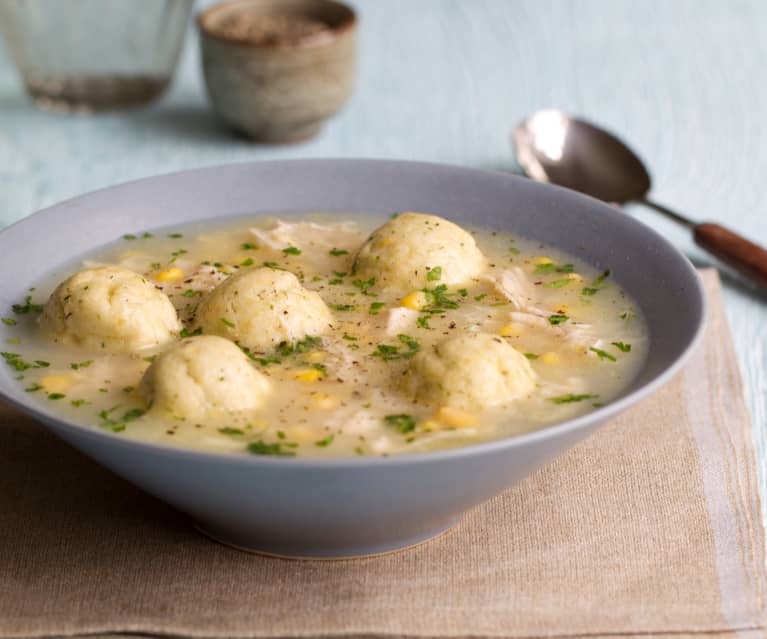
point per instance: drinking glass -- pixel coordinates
(86, 55)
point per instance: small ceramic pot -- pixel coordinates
(275, 70)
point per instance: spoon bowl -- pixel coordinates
(554, 147)
(575, 154)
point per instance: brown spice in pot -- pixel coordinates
(273, 30)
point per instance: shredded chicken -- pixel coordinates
(400, 320)
(513, 285)
(308, 235)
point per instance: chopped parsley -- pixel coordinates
(388, 352)
(422, 321)
(75, 366)
(228, 430)
(325, 441)
(262, 448)
(33, 388)
(15, 361)
(570, 398)
(403, 423)
(335, 281)
(291, 250)
(558, 283)
(557, 318)
(9, 321)
(117, 425)
(553, 267)
(129, 236)
(439, 299)
(338, 252)
(351, 338)
(479, 298)
(191, 293)
(79, 402)
(55, 396)
(596, 285)
(601, 279)
(531, 356)
(248, 246)
(342, 307)
(175, 236)
(375, 308)
(364, 285)
(603, 354)
(410, 342)
(301, 346)
(247, 262)
(434, 274)
(185, 332)
(227, 322)
(622, 347)
(176, 254)
(27, 307)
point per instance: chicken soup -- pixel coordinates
(326, 336)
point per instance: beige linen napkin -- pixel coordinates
(651, 527)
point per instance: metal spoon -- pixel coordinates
(553, 147)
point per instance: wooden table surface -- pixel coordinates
(445, 81)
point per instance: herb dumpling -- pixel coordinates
(473, 371)
(110, 308)
(260, 308)
(203, 376)
(413, 249)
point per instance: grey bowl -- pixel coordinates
(348, 507)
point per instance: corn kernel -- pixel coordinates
(430, 425)
(308, 375)
(542, 260)
(170, 275)
(325, 401)
(549, 358)
(57, 383)
(510, 330)
(576, 277)
(316, 356)
(416, 301)
(456, 417)
(300, 434)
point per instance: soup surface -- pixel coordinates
(345, 392)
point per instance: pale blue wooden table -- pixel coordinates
(445, 81)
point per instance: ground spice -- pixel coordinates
(273, 30)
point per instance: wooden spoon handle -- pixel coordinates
(749, 259)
